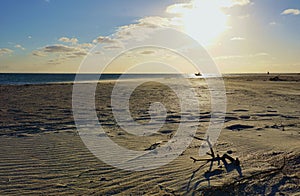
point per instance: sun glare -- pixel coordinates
(202, 19)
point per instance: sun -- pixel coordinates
(203, 20)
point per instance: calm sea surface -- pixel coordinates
(20, 79)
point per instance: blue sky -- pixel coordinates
(240, 35)
(46, 21)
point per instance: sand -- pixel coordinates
(42, 153)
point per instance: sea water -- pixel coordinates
(43, 78)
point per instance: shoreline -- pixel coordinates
(286, 77)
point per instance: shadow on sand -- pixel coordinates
(230, 164)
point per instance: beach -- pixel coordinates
(43, 154)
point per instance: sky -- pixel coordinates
(241, 36)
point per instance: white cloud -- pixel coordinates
(86, 45)
(68, 40)
(61, 51)
(237, 39)
(261, 54)
(75, 45)
(272, 23)
(109, 43)
(112, 47)
(38, 53)
(80, 53)
(4, 51)
(291, 12)
(19, 47)
(104, 40)
(180, 8)
(154, 22)
(59, 48)
(240, 2)
(55, 61)
(141, 27)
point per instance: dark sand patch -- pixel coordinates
(240, 110)
(239, 127)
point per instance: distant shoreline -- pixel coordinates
(69, 78)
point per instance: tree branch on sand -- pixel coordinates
(234, 163)
(230, 163)
(237, 187)
(215, 158)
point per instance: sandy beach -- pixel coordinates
(42, 153)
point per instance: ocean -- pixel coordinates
(44, 78)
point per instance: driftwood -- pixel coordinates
(216, 158)
(229, 163)
(235, 186)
